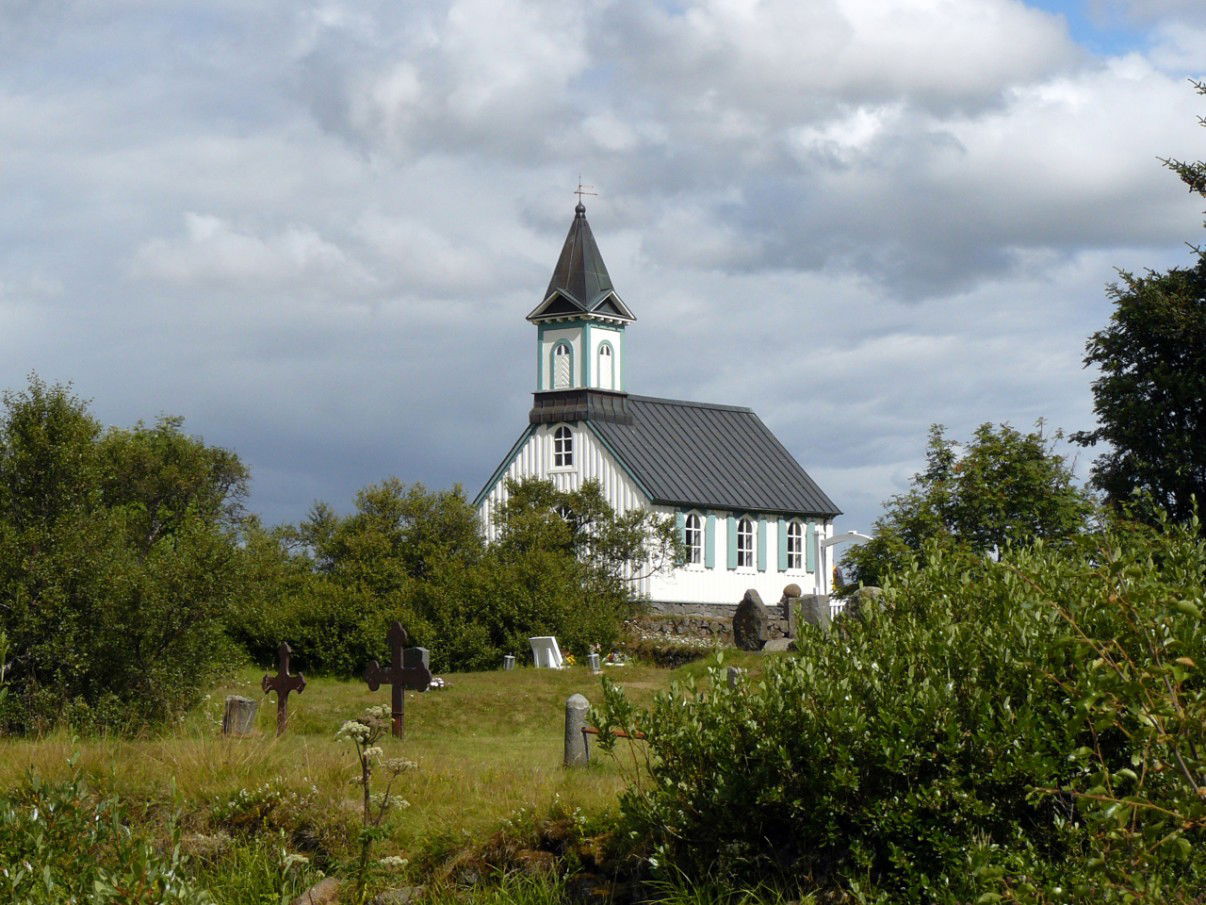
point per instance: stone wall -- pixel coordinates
(703, 625)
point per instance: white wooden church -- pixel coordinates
(748, 514)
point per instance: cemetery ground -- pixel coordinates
(261, 816)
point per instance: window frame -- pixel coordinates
(563, 447)
(795, 557)
(695, 550)
(747, 543)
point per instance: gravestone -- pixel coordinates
(283, 683)
(593, 659)
(814, 609)
(576, 708)
(789, 603)
(546, 654)
(239, 718)
(750, 621)
(407, 671)
(734, 675)
(863, 597)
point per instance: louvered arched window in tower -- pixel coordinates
(563, 366)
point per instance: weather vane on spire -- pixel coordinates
(583, 190)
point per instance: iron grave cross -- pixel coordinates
(283, 683)
(401, 675)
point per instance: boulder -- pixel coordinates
(324, 892)
(778, 645)
(750, 622)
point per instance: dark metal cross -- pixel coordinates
(582, 190)
(283, 683)
(403, 674)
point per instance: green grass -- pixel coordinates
(488, 748)
(486, 745)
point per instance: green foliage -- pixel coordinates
(332, 585)
(1004, 488)
(1150, 397)
(117, 563)
(59, 845)
(1029, 730)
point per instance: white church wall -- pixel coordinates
(549, 338)
(692, 583)
(696, 583)
(591, 461)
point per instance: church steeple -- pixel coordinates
(580, 282)
(580, 322)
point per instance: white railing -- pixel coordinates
(835, 607)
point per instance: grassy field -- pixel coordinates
(488, 748)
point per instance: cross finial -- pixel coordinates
(583, 190)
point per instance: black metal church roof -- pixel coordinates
(710, 456)
(580, 281)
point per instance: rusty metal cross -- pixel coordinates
(283, 683)
(401, 675)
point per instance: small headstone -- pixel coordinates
(416, 656)
(508, 661)
(863, 597)
(814, 610)
(576, 708)
(750, 621)
(546, 654)
(735, 675)
(593, 659)
(239, 718)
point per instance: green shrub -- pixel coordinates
(117, 564)
(61, 845)
(1032, 729)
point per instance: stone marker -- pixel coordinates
(283, 683)
(407, 672)
(864, 596)
(750, 621)
(778, 645)
(735, 675)
(239, 718)
(324, 892)
(593, 659)
(576, 707)
(814, 609)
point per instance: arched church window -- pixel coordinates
(563, 447)
(693, 539)
(607, 367)
(745, 544)
(795, 546)
(562, 366)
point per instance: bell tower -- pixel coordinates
(580, 323)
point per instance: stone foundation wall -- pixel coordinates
(701, 625)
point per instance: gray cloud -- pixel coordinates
(314, 229)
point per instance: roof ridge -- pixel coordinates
(657, 400)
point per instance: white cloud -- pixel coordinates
(213, 252)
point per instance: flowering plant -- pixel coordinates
(364, 732)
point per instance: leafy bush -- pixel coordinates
(331, 586)
(1032, 729)
(59, 844)
(118, 563)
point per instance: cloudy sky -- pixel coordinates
(313, 229)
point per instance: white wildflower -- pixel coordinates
(394, 862)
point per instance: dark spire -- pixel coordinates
(580, 274)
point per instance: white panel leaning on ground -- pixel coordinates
(749, 515)
(546, 652)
